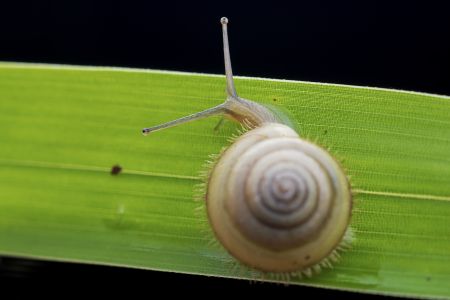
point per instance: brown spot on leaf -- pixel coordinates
(115, 170)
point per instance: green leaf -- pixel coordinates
(63, 128)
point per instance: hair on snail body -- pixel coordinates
(276, 202)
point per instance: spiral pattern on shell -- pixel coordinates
(276, 202)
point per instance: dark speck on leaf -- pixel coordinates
(274, 99)
(325, 131)
(307, 257)
(115, 170)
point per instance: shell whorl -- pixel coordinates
(276, 202)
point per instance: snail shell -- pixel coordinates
(276, 202)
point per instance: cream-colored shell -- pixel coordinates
(276, 202)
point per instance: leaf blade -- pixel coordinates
(64, 127)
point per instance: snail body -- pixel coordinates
(276, 202)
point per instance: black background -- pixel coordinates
(398, 44)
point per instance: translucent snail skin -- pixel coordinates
(276, 202)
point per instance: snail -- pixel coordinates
(276, 202)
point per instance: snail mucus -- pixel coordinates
(276, 202)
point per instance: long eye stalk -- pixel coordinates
(231, 90)
(219, 109)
